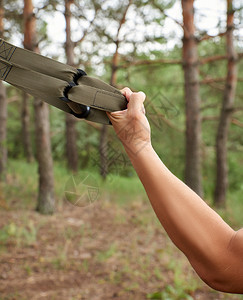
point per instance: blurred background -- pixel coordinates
(75, 222)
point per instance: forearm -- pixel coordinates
(191, 224)
(213, 248)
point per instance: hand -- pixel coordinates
(131, 124)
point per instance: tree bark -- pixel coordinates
(71, 132)
(3, 131)
(103, 147)
(3, 111)
(25, 117)
(226, 112)
(46, 201)
(192, 98)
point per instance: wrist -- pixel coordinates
(138, 151)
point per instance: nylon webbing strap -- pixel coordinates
(60, 85)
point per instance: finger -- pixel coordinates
(110, 117)
(116, 115)
(127, 93)
(141, 96)
(136, 103)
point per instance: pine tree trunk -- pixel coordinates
(71, 132)
(226, 112)
(113, 81)
(3, 131)
(3, 112)
(103, 150)
(46, 202)
(103, 147)
(192, 98)
(25, 117)
(71, 143)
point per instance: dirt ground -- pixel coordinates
(100, 252)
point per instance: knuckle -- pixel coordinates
(138, 97)
(135, 115)
(142, 94)
(126, 89)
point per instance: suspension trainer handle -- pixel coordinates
(58, 84)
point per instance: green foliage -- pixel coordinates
(171, 293)
(23, 180)
(163, 84)
(106, 254)
(19, 235)
(13, 295)
(182, 288)
(60, 261)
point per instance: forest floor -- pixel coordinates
(100, 252)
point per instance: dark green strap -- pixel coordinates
(94, 96)
(58, 84)
(33, 61)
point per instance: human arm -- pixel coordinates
(213, 248)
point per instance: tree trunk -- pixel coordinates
(226, 113)
(25, 117)
(71, 132)
(71, 143)
(103, 150)
(192, 98)
(3, 131)
(46, 202)
(103, 147)
(3, 112)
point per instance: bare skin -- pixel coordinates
(213, 248)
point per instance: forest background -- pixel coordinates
(193, 81)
